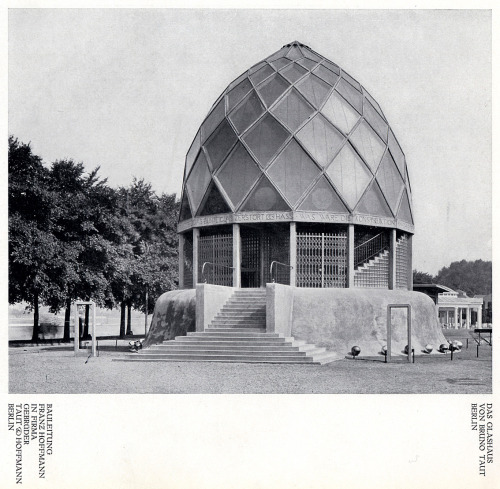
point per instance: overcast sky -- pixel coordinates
(126, 90)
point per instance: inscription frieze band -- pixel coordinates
(299, 216)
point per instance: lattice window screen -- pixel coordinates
(322, 260)
(217, 252)
(402, 262)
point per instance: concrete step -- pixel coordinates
(232, 342)
(261, 351)
(283, 347)
(240, 358)
(215, 334)
(256, 323)
(233, 329)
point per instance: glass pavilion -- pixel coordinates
(296, 177)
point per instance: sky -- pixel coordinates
(127, 90)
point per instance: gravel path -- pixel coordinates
(56, 370)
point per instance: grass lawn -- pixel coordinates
(55, 370)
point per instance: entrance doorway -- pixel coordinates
(260, 246)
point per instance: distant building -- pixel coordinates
(454, 308)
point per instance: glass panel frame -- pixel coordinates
(349, 175)
(265, 139)
(390, 181)
(368, 144)
(238, 174)
(350, 94)
(373, 202)
(198, 181)
(213, 119)
(272, 89)
(249, 110)
(307, 63)
(262, 74)
(292, 172)
(340, 113)
(293, 110)
(264, 197)
(293, 72)
(320, 138)
(238, 92)
(314, 89)
(323, 197)
(219, 144)
(325, 74)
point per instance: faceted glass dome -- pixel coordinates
(296, 133)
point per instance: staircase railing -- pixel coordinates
(213, 265)
(370, 248)
(273, 263)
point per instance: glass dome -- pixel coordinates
(297, 133)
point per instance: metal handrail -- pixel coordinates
(371, 247)
(368, 240)
(214, 265)
(277, 263)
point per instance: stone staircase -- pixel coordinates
(374, 273)
(236, 334)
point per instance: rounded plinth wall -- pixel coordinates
(174, 315)
(339, 319)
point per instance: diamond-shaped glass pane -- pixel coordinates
(374, 103)
(369, 145)
(272, 88)
(293, 171)
(262, 74)
(396, 152)
(280, 63)
(373, 203)
(265, 198)
(265, 138)
(295, 53)
(198, 180)
(332, 66)
(373, 117)
(404, 210)
(327, 75)
(351, 80)
(293, 110)
(323, 198)
(321, 139)
(193, 152)
(340, 113)
(408, 184)
(239, 174)
(293, 72)
(309, 54)
(247, 112)
(390, 181)
(349, 175)
(307, 63)
(213, 119)
(185, 212)
(256, 67)
(278, 54)
(314, 89)
(220, 143)
(238, 92)
(350, 94)
(213, 202)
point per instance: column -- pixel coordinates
(447, 317)
(479, 317)
(392, 259)
(410, 263)
(293, 253)
(455, 316)
(459, 319)
(181, 261)
(467, 317)
(236, 256)
(196, 236)
(350, 256)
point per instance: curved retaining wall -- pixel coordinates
(338, 319)
(174, 315)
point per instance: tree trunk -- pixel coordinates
(67, 320)
(129, 317)
(35, 318)
(86, 325)
(122, 319)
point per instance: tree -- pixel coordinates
(422, 277)
(33, 247)
(473, 277)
